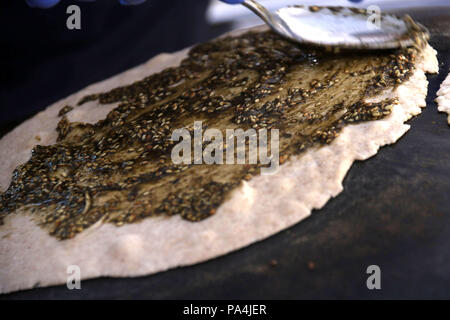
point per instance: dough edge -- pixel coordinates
(443, 97)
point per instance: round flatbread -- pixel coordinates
(254, 210)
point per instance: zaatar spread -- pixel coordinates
(65, 110)
(119, 170)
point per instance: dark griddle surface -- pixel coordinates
(394, 212)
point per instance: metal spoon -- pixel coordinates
(339, 27)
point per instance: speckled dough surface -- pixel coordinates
(260, 207)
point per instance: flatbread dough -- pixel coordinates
(443, 99)
(30, 257)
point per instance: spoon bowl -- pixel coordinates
(341, 27)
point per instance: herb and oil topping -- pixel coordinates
(119, 170)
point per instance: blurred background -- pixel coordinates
(42, 61)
